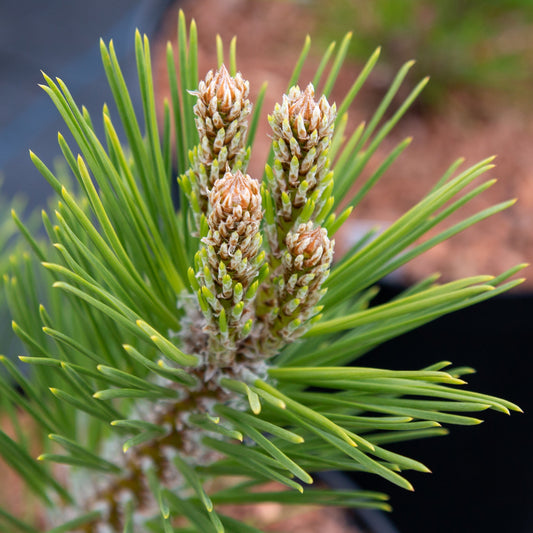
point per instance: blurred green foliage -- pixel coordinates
(461, 45)
(9, 245)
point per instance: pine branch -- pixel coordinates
(171, 351)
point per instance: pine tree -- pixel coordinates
(181, 359)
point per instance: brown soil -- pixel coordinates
(270, 35)
(14, 496)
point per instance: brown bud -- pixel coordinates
(308, 244)
(235, 199)
(309, 247)
(297, 288)
(231, 260)
(303, 104)
(235, 190)
(222, 93)
(303, 131)
(221, 117)
(305, 116)
(234, 223)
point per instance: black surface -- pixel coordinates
(482, 475)
(60, 37)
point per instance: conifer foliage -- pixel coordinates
(177, 360)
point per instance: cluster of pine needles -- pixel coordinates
(177, 360)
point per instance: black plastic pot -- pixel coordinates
(481, 479)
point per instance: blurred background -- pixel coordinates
(62, 39)
(479, 56)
